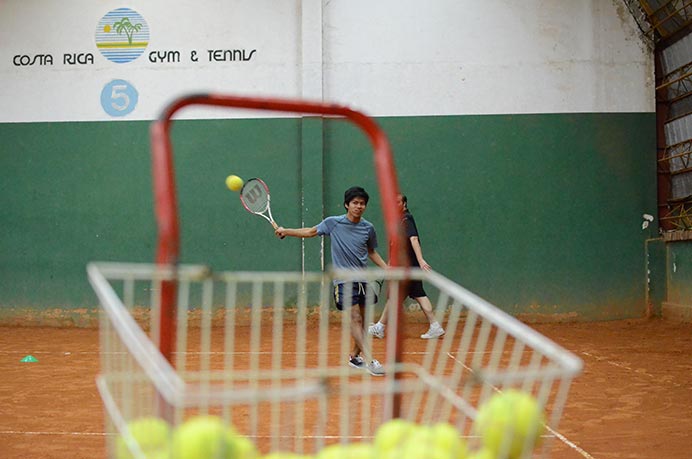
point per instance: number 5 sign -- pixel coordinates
(118, 98)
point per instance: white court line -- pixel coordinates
(78, 434)
(635, 370)
(41, 355)
(557, 434)
(572, 445)
(196, 353)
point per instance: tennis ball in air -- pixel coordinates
(391, 435)
(203, 437)
(153, 436)
(509, 423)
(234, 183)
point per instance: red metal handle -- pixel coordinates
(164, 180)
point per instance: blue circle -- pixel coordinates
(118, 98)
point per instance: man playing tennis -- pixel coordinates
(353, 241)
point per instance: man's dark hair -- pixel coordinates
(355, 192)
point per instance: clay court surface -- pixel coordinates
(632, 401)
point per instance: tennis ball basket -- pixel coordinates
(267, 353)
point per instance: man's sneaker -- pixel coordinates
(356, 362)
(375, 368)
(376, 330)
(435, 331)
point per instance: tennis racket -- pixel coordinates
(255, 198)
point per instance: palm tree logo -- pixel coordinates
(122, 35)
(124, 25)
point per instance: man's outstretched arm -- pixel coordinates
(296, 232)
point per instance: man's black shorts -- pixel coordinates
(358, 295)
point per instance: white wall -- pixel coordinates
(387, 57)
(495, 56)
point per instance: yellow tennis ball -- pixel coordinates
(391, 435)
(510, 423)
(203, 437)
(482, 454)
(358, 450)
(245, 449)
(285, 455)
(419, 444)
(153, 436)
(234, 183)
(447, 438)
(439, 441)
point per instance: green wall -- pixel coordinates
(540, 214)
(670, 274)
(656, 275)
(679, 282)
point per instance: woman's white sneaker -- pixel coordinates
(375, 368)
(376, 330)
(435, 331)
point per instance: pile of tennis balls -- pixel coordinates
(396, 439)
(509, 425)
(200, 437)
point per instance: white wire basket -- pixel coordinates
(267, 352)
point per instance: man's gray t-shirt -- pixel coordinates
(349, 241)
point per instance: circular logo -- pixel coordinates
(118, 98)
(122, 35)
